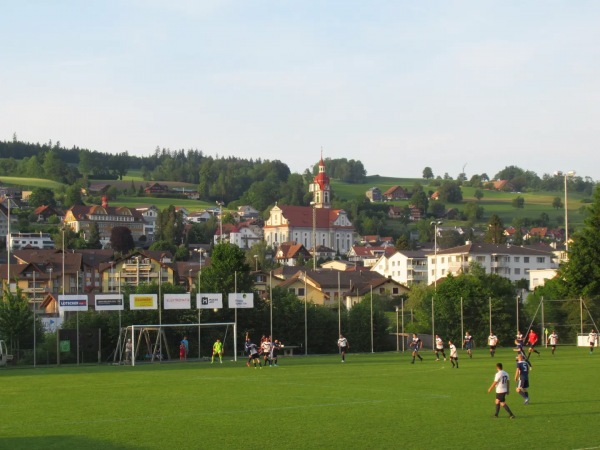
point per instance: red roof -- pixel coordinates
(302, 216)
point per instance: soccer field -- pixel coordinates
(373, 401)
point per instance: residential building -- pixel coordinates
(396, 193)
(509, 261)
(30, 240)
(408, 267)
(80, 218)
(244, 234)
(150, 215)
(142, 267)
(368, 255)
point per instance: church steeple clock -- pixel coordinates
(320, 188)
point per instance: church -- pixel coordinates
(309, 225)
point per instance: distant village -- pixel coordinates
(316, 251)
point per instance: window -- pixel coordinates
(517, 271)
(526, 259)
(517, 259)
(301, 292)
(541, 259)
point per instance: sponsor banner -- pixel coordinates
(241, 300)
(177, 301)
(209, 301)
(143, 301)
(109, 302)
(73, 302)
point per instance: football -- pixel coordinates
(282, 345)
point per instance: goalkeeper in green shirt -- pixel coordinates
(217, 350)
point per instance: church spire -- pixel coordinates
(320, 188)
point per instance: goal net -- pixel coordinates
(157, 343)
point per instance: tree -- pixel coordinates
(228, 269)
(73, 196)
(478, 194)
(94, 237)
(557, 203)
(121, 239)
(41, 197)
(495, 231)
(419, 198)
(16, 320)
(427, 173)
(581, 271)
(518, 202)
(450, 192)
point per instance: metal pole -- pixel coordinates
(490, 309)
(339, 306)
(372, 348)
(397, 331)
(581, 313)
(432, 324)
(200, 309)
(566, 218)
(8, 246)
(34, 322)
(542, 332)
(314, 237)
(235, 310)
(403, 325)
(271, 302)
(160, 312)
(462, 320)
(518, 299)
(305, 318)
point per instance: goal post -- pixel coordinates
(152, 342)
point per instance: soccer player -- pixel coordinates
(520, 343)
(265, 347)
(522, 378)
(468, 344)
(553, 340)
(453, 354)
(254, 355)
(439, 347)
(492, 342)
(275, 351)
(416, 345)
(343, 346)
(217, 350)
(501, 383)
(247, 350)
(593, 338)
(532, 339)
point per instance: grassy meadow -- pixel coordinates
(372, 401)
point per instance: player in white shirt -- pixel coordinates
(439, 348)
(502, 385)
(553, 340)
(344, 346)
(265, 347)
(492, 342)
(593, 337)
(453, 354)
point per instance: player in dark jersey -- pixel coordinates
(275, 351)
(520, 343)
(468, 344)
(416, 345)
(522, 378)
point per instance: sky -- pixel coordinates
(399, 85)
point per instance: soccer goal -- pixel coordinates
(157, 343)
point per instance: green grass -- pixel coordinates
(30, 183)
(373, 401)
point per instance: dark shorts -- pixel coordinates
(532, 346)
(523, 384)
(468, 346)
(492, 347)
(501, 397)
(343, 349)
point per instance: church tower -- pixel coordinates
(320, 188)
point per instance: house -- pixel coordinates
(503, 185)
(150, 215)
(415, 213)
(368, 255)
(408, 267)
(200, 216)
(288, 253)
(335, 288)
(80, 218)
(374, 194)
(140, 267)
(30, 240)
(244, 234)
(396, 193)
(396, 212)
(314, 225)
(247, 212)
(509, 261)
(156, 188)
(44, 212)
